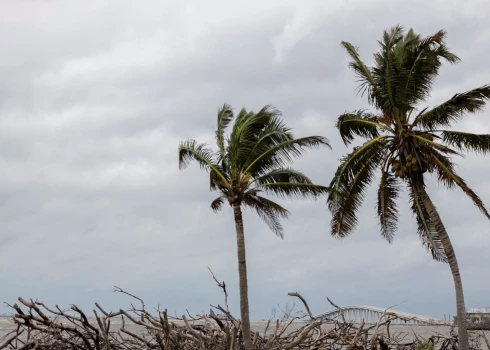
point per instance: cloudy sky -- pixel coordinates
(95, 97)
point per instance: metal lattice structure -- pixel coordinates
(371, 315)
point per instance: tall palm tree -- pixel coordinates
(405, 143)
(252, 160)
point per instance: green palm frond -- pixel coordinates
(391, 37)
(294, 190)
(388, 191)
(283, 175)
(240, 119)
(241, 139)
(283, 153)
(358, 123)
(419, 60)
(425, 227)
(274, 133)
(190, 151)
(348, 187)
(448, 176)
(288, 183)
(269, 211)
(425, 143)
(454, 109)
(437, 46)
(467, 142)
(384, 72)
(364, 75)
(351, 163)
(246, 130)
(225, 117)
(404, 71)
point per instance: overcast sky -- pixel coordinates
(95, 97)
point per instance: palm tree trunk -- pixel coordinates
(242, 276)
(453, 264)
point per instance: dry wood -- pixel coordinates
(42, 327)
(295, 294)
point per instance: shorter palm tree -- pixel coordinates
(405, 143)
(253, 160)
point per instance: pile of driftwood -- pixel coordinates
(41, 327)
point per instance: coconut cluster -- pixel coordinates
(403, 167)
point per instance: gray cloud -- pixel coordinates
(94, 100)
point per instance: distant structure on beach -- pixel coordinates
(478, 315)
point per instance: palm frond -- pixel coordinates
(358, 123)
(283, 175)
(190, 151)
(450, 179)
(388, 191)
(467, 142)
(441, 50)
(385, 74)
(348, 187)
(245, 133)
(294, 190)
(284, 153)
(217, 204)
(219, 181)
(351, 163)
(364, 75)
(274, 133)
(391, 37)
(238, 141)
(454, 109)
(419, 61)
(225, 117)
(425, 227)
(425, 143)
(269, 211)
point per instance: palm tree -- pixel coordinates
(252, 160)
(406, 142)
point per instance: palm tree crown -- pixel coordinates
(404, 141)
(253, 159)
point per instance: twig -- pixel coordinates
(295, 294)
(223, 286)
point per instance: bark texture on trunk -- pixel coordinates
(453, 264)
(242, 276)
